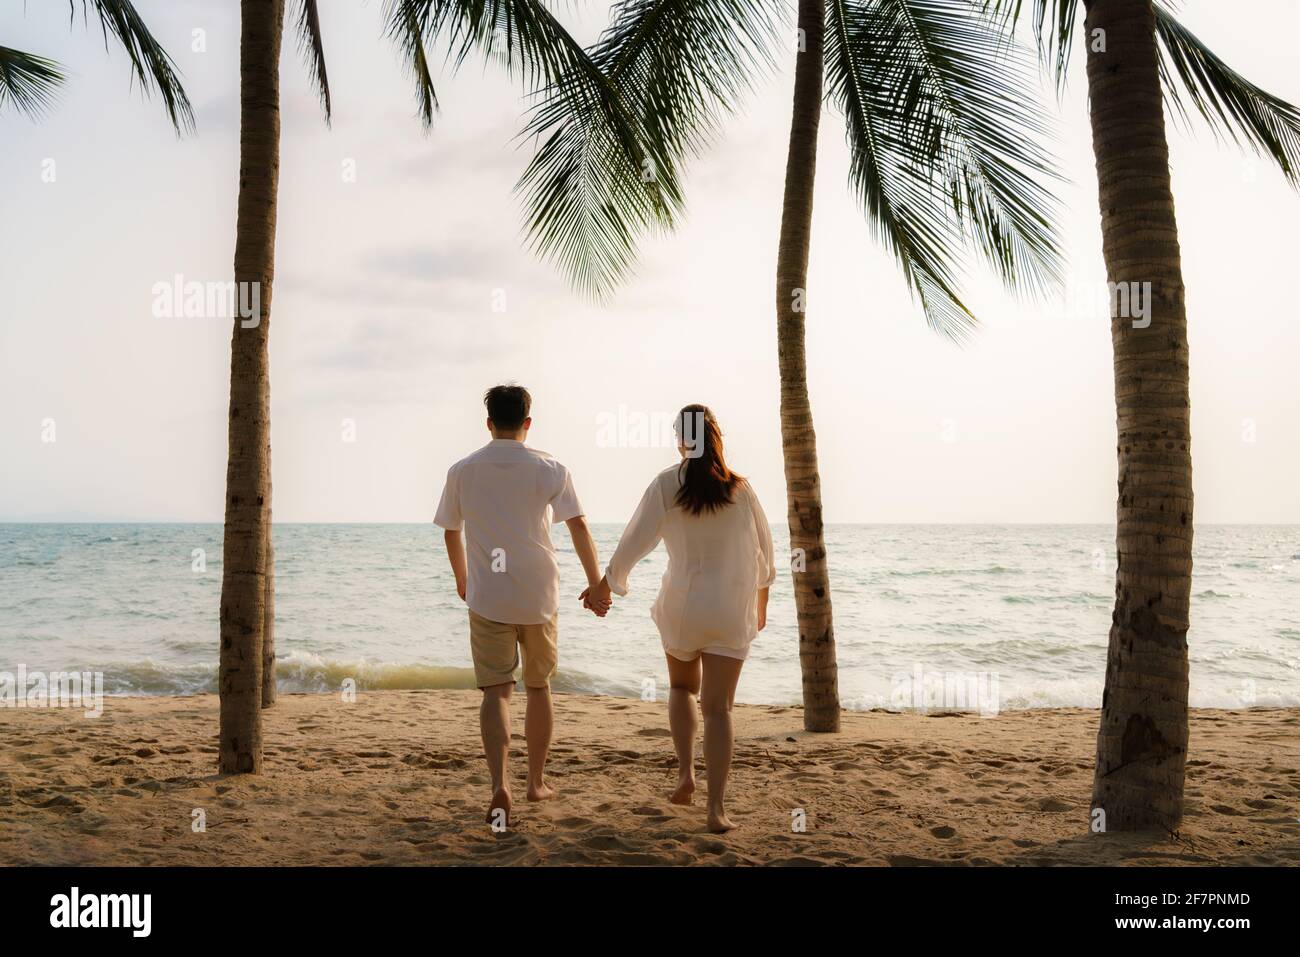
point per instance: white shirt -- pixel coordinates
(717, 562)
(505, 496)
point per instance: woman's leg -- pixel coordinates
(717, 695)
(684, 681)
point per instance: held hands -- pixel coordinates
(598, 598)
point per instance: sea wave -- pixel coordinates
(373, 604)
(310, 673)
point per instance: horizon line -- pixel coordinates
(7, 521)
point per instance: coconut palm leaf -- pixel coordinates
(313, 51)
(531, 44)
(27, 81)
(677, 67)
(523, 34)
(405, 28)
(1229, 103)
(1053, 23)
(944, 146)
(150, 63)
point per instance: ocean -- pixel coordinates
(1020, 612)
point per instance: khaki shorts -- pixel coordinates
(495, 647)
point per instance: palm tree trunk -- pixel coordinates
(268, 616)
(268, 612)
(1142, 744)
(248, 476)
(812, 595)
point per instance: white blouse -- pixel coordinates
(717, 562)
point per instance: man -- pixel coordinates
(504, 497)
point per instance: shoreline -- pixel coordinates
(397, 777)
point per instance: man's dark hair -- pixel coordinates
(507, 406)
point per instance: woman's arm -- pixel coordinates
(767, 552)
(639, 539)
(762, 608)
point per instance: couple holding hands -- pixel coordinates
(496, 509)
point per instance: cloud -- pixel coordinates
(494, 151)
(427, 262)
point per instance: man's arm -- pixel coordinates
(585, 546)
(456, 555)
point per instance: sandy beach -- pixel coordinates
(396, 778)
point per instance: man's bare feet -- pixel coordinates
(540, 792)
(685, 792)
(500, 803)
(719, 823)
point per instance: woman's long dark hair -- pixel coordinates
(707, 483)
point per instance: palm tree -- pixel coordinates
(528, 40)
(945, 157)
(246, 672)
(31, 82)
(1140, 57)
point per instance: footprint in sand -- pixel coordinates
(653, 815)
(654, 733)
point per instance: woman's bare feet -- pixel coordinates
(500, 803)
(685, 792)
(719, 823)
(540, 791)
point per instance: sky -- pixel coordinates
(404, 290)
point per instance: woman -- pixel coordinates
(713, 600)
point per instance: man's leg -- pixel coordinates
(496, 656)
(494, 721)
(539, 721)
(541, 659)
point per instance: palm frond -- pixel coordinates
(895, 191)
(150, 63)
(313, 51)
(1054, 23)
(522, 34)
(944, 147)
(404, 27)
(1229, 103)
(27, 81)
(675, 68)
